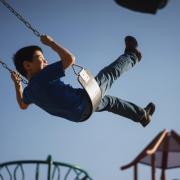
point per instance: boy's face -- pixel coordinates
(37, 64)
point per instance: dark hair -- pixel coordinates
(24, 54)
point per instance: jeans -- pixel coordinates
(106, 78)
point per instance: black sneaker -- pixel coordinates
(131, 46)
(149, 110)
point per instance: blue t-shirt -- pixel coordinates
(50, 93)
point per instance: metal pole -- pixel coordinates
(50, 163)
(153, 161)
(163, 175)
(165, 154)
(136, 172)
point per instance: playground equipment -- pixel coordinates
(41, 170)
(163, 153)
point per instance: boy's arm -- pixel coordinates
(66, 56)
(19, 90)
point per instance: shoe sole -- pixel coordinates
(131, 40)
(152, 108)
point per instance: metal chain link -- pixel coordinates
(74, 67)
(20, 17)
(5, 66)
(28, 25)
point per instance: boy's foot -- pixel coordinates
(149, 110)
(131, 46)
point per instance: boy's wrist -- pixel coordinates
(51, 43)
(17, 84)
(47, 40)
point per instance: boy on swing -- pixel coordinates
(49, 92)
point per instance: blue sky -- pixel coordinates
(94, 31)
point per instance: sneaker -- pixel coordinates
(131, 46)
(149, 110)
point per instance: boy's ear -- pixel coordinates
(26, 65)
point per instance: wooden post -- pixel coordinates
(153, 171)
(163, 175)
(136, 172)
(165, 157)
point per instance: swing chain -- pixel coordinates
(20, 17)
(5, 66)
(74, 67)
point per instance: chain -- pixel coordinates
(74, 66)
(5, 66)
(27, 24)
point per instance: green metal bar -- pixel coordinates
(56, 168)
(68, 172)
(50, 163)
(9, 173)
(37, 172)
(22, 171)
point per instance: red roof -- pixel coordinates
(166, 149)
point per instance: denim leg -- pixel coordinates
(106, 78)
(112, 72)
(121, 107)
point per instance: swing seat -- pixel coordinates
(88, 82)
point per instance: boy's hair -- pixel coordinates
(24, 54)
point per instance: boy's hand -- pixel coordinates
(16, 78)
(47, 40)
(19, 89)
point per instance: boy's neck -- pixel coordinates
(30, 75)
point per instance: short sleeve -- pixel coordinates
(26, 98)
(51, 72)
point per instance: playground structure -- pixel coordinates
(35, 169)
(163, 153)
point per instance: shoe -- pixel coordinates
(131, 46)
(149, 110)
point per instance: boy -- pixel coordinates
(49, 92)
